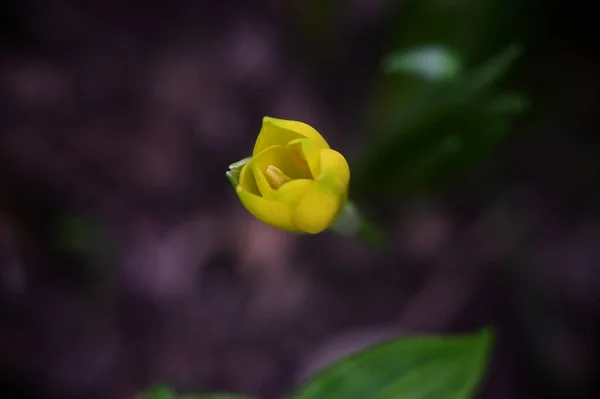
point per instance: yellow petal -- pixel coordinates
(274, 213)
(247, 180)
(334, 170)
(323, 201)
(292, 192)
(306, 155)
(279, 157)
(318, 208)
(261, 180)
(280, 132)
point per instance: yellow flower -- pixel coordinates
(293, 181)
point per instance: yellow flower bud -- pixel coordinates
(293, 181)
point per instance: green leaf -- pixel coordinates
(428, 62)
(159, 392)
(164, 392)
(446, 97)
(215, 396)
(440, 367)
(508, 104)
(437, 129)
(475, 28)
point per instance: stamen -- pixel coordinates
(276, 177)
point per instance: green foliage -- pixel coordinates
(411, 368)
(473, 29)
(87, 240)
(441, 367)
(80, 235)
(441, 105)
(450, 125)
(214, 396)
(159, 392)
(164, 392)
(428, 62)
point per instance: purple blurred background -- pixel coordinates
(126, 258)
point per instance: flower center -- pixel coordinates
(276, 177)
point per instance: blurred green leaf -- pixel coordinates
(76, 234)
(439, 131)
(215, 396)
(428, 62)
(507, 104)
(446, 97)
(164, 392)
(471, 30)
(159, 392)
(317, 17)
(475, 29)
(85, 238)
(440, 367)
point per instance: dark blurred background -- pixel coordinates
(126, 259)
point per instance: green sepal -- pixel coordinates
(233, 174)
